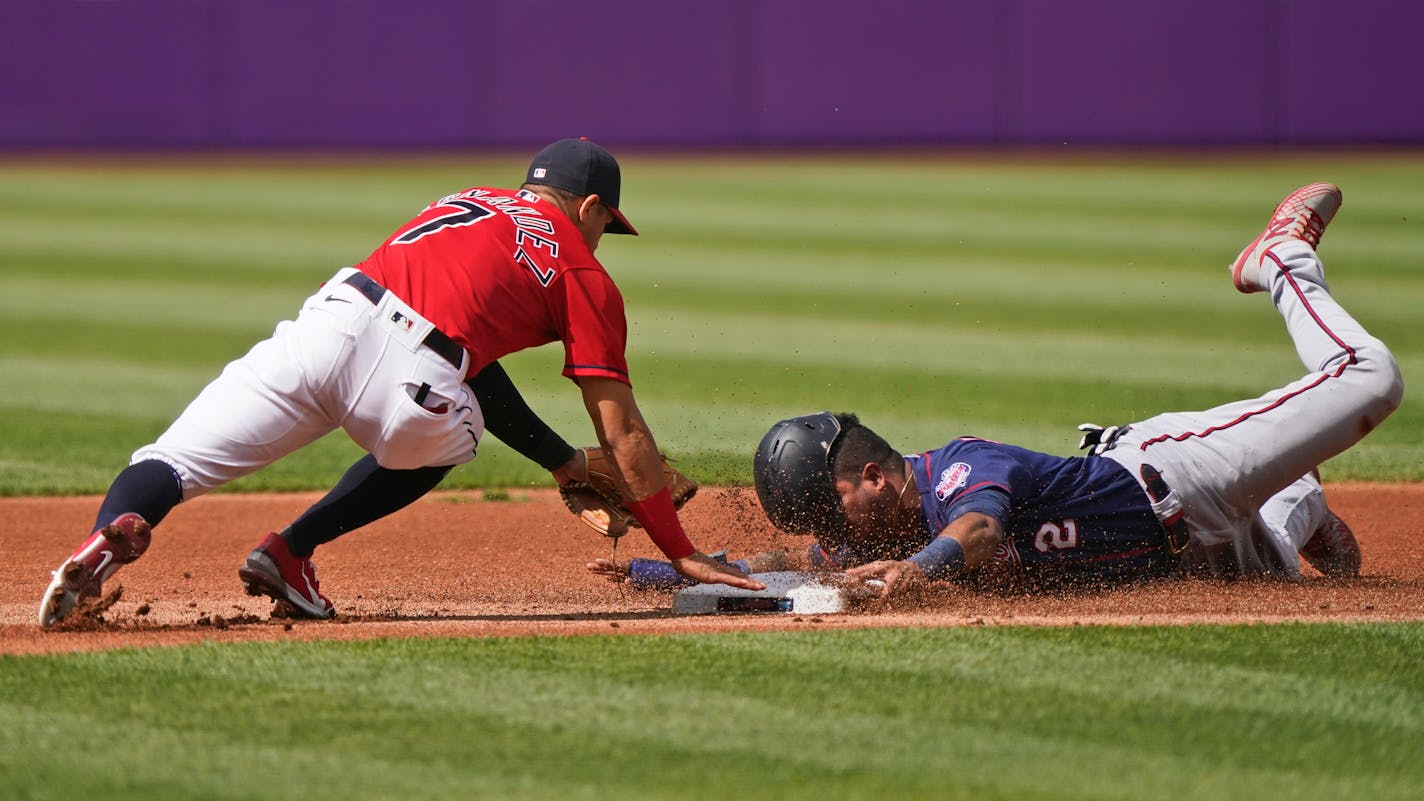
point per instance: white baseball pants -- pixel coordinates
(344, 362)
(1237, 469)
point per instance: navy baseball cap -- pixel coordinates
(583, 168)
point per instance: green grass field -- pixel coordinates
(1300, 712)
(1003, 296)
(1006, 298)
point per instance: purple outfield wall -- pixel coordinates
(198, 74)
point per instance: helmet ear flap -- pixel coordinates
(793, 478)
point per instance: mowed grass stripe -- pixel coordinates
(338, 190)
(1229, 712)
(1018, 202)
(130, 390)
(944, 351)
(166, 305)
(951, 286)
(205, 246)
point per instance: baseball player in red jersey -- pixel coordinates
(402, 352)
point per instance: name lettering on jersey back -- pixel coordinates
(531, 229)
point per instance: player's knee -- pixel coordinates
(1394, 393)
(1385, 381)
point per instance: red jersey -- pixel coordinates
(501, 270)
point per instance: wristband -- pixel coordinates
(659, 519)
(942, 558)
(654, 574)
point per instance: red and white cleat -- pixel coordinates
(83, 574)
(273, 570)
(1302, 216)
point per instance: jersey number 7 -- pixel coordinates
(463, 212)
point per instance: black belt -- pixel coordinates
(436, 340)
(1174, 527)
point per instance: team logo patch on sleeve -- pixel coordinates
(953, 477)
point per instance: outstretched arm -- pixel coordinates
(966, 543)
(508, 417)
(651, 574)
(626, 438)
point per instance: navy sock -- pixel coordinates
(367, 492)
(151, 488)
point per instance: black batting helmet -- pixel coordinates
(792, 470)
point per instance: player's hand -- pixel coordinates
(903, 580)
(609, 569)
(704, 569)
(574, 471)
(1097, 439)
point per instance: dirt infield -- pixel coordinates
(463, 564)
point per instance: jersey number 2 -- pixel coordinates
(1056, 536)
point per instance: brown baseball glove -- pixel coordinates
(598, 502)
